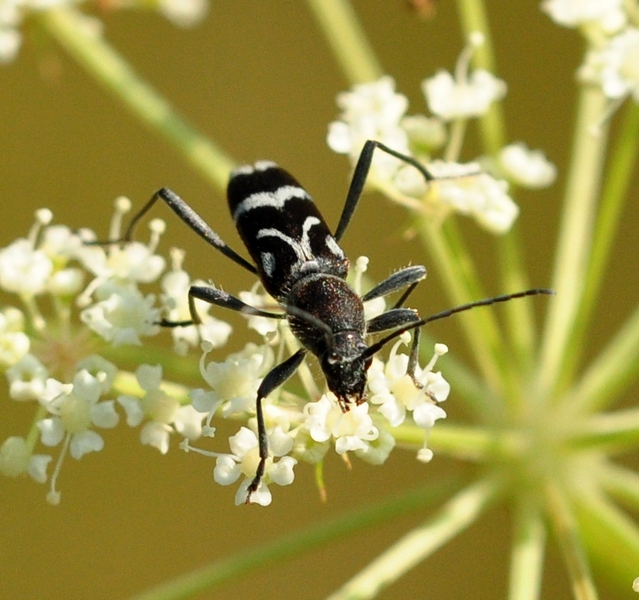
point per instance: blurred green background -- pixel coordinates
(258, 78)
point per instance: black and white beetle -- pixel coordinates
(300, 263)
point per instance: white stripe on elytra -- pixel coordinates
(268, 263)
(333, 246)
(276, 199)
(302, 248)
(260, 165)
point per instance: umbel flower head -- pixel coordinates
(81, 300)
(376, 111)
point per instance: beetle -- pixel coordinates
(300, 263)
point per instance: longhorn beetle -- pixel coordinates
(300, 263)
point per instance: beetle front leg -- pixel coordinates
(274, 378)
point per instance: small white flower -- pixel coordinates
(350, 431)
(133, 261)
(120, 264)
(100, 368)
(75, 411)
(371, 111)
(479, 195)
(122, 315)
(14, 343)
(16, 459)
(608, 14)
(60, 244)
(27, 379)
(463, 95)
(183, 13)
(525, 167)
(24, 270)
(425, 133)
(234, 382)
(378, 450)
(188, 422)
(451, 99)
(396, 393)
(245, 459)
(163, 412)
(10, 42)
(615, 66)
(176, 284)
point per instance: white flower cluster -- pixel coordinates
(54, 351)
(375, 111)
(13, 13)
(612, 30)
(50, 360)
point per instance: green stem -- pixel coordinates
(571, 543)
(347, 40)
(103, 63)
(621, 170)
(292, 545)
(575, 233)
(455, 516)
(612, 538)
(612, 432)
(520, 315)
(527, 560)
(475, 444)
(621, 483)
(475, 19)
(614, 370)
(456, 270)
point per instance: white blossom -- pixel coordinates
(76, 410)
(234, 382)
(615, 66)
(163, 413)
(477, 195)
(183, 13)
(122, 314)
(244, 459)
(24, 270)
(14, 343)
(464, 94)
(175, 285)
(608, 14)
(396, 393)
(16, 459)
(525, 167)
(451, 99)
(129, 263)
(424, 133)
(371, 111)
(350, 431)
(375, 111)
(27, 379)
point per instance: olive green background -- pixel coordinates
(258, 78)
